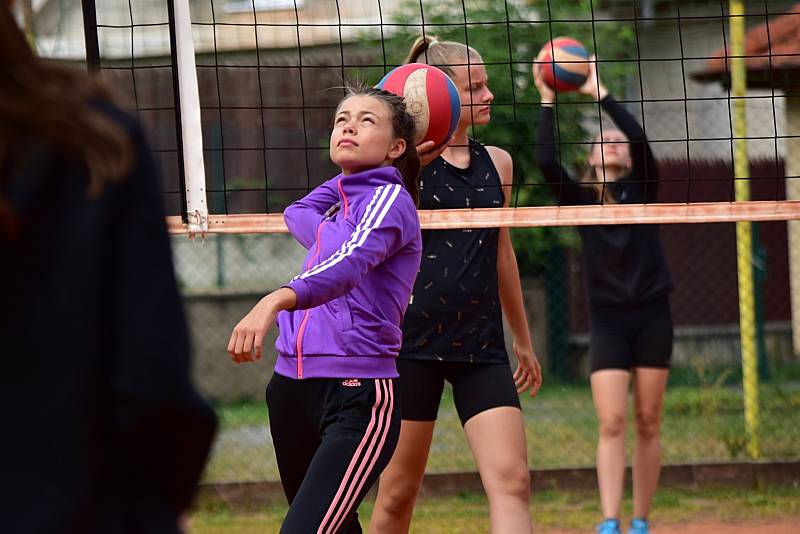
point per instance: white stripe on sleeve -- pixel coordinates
(355, 240)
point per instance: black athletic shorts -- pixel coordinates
(639, 336)
(477, 387)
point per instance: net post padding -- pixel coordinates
(190, 121)
(700, 212)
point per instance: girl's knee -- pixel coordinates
(397, 497)
(648, 424)
(612, 426)
(509, 480)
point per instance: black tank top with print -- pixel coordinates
(454, 314)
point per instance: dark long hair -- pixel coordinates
(41, 100)
(403, 127)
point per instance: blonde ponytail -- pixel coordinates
(442, 54)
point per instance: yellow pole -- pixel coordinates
(747, 318)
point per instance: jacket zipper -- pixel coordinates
(301, 330)
(344, 199)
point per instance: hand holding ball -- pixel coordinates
(565, 64)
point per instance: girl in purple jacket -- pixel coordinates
(333, 408)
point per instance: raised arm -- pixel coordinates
(386, 226)
(564, 188)
(644, 169)
(303, 216)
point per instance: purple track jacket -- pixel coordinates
(364, 248)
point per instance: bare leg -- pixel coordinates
(649, 384)
(400, 481)
(610, 394)
(497, 439)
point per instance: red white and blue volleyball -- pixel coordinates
(431, 98)
(565, 64)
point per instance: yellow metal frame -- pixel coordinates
(744, 238)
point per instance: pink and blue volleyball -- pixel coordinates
(565, 64)
(431, 98)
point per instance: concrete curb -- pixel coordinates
(252, 495)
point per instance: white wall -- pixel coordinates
(706, 105)
(59, 25)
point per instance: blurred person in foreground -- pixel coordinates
(103, 431)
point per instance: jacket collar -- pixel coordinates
(374, 177)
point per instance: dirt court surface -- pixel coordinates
(781, 527)
(790, 526)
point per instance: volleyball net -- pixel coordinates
(269, 75)
(249, 135)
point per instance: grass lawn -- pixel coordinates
(702, 423)
(577, 511)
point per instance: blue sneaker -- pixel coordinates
(639, 526)
(609, 526)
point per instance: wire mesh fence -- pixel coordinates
(270, 74)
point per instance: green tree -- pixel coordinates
(508, 34)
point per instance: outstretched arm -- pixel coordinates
(390, 222)
(247, 339)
